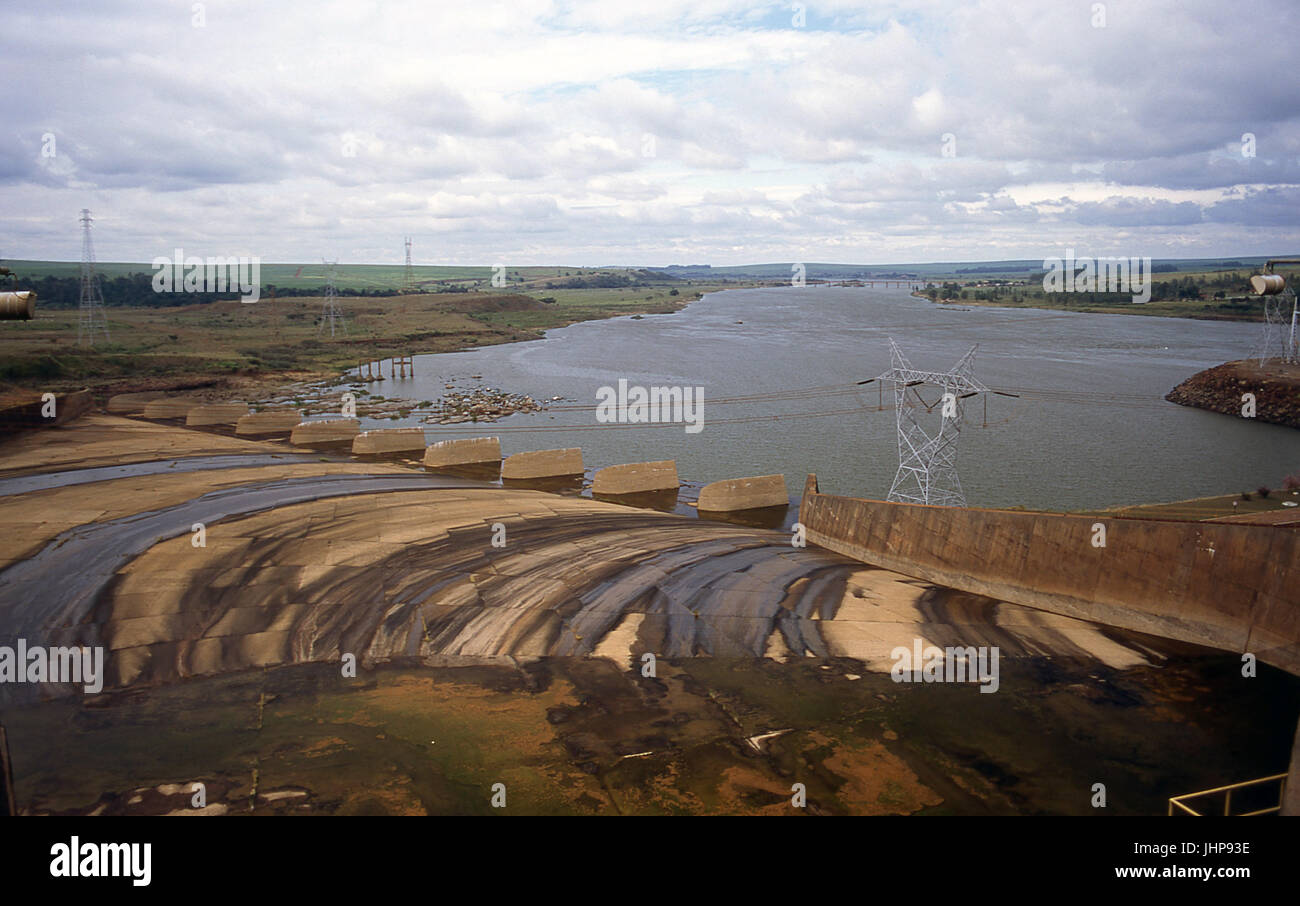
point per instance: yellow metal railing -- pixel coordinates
(1181, 801)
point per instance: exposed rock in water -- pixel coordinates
(480, 405)
(1221, 389)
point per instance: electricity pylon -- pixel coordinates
(91, 318)
(927, 463)
(330, 306)
(1279, 340)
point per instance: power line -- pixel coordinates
(830, 393)
(1108, 400)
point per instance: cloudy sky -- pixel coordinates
(665, 132)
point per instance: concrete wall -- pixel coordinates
(1235, 587)
(389, 440)
(744, 494)
(327, 431)
(29, 411)
(636, 478)
(462, 452)
(281, 421)
(168, 407)
(543, 464)
(216, 414)
(132, 403)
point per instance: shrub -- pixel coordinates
(1291, 482)
(1262, 491)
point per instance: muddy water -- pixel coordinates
(581, 736)
(1090, 429)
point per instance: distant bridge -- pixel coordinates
(910, 284)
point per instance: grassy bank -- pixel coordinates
(1244, 504)
(163, 348)
(1221, 295)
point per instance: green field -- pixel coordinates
(290, 276)
(375, 277)
(228, 342)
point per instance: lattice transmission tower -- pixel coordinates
(408, 278)
(927, 461)
(1280, 340)
(330, 306)
(91, 318)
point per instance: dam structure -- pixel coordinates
(302, 559)
(209, 565)
(1231, 583)
(1228, 583)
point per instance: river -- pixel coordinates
(1090, 428)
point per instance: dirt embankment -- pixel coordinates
(1276, 388)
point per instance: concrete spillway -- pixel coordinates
(40, 481)
(307, 560)
(501, 633)
(57, 587)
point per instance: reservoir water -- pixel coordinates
(779, 366)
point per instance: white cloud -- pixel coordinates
(703, 130)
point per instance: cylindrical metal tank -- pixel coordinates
(19, 306)
(1267, 284)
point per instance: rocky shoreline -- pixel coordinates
(1223, 388)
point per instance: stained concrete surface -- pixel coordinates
(525, 660)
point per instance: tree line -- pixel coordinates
(136, 290)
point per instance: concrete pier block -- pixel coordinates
(31, 409)
(131, 403)
(543, 464)
(215, 414)
(168, 407)
(389, 440)
(277, 421)
(636, 478)
(744, 494)
(70, 405)
(462, 452)
(326, 431)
